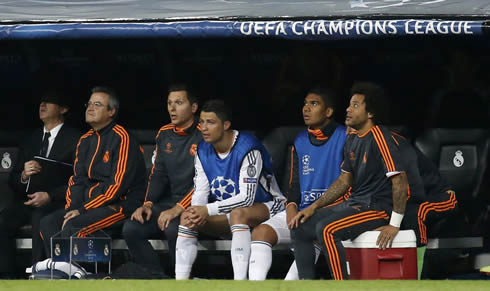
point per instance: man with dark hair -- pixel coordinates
(316, 157)
(109, 175)
(170, 184)
(234, 188)
(374, 169)
(55, 141)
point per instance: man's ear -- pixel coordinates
(194, 108)
(112, 112)
(370, 115)
(227, 124)
(64, 110)
(329, 112)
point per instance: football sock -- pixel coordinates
(260, 260)
(185, 252)
(240, 250)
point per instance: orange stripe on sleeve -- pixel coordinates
(381, 141)
(383, 147)
(186, 201)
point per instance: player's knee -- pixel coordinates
(239, 216)
(47, 221)
(296, 233)
(70, 226)
(185, 221)
(321, 230)
(265, 233)
(172, 230)
(130, 229)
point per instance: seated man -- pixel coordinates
(56, 141)
(319, 151)
(373, 167)
(109, 175)
(170, 184)
(234, 188)
(439, 199)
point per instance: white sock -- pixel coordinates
(260, 260)
(292, 273)
(240, 250)
(293, 270)
(185, 252)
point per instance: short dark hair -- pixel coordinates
(113, 99)
(184, 87)
(328, 96)
(374, 98)
(219, 107)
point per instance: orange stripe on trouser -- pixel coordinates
(331, 228)
(104, 223)
(426, 207)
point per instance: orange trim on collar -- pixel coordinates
(318, 133)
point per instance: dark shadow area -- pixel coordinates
(431, 81)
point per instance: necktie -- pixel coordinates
(45, 144)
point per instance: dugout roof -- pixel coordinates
(302, 19)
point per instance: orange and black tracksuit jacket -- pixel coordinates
(171, 178)
(109, 170)
(369, 158)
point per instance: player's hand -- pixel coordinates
(166, 216)
(37, 199)
(70, 215)
(30, 168)
(386, 236)
(301, 217)
(198, 214)
(142, 214)
(291, 211)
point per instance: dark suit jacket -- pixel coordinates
(63, 149)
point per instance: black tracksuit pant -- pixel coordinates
(330, 226)
(137, 235)
(107, 218)
(11, 220)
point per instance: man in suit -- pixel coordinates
(32, 201)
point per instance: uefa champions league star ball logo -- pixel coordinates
(223, 188)
(306, 165)
(306, 160)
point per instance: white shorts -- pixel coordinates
(275, 207)
(279, 225)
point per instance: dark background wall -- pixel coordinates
(431, 81)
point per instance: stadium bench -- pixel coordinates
(278, 142)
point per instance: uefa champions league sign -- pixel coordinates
(287, 29)
(323, 29)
